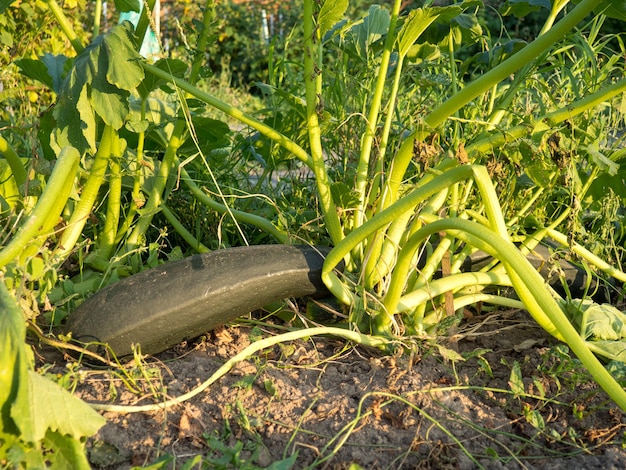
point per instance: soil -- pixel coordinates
(322, 403)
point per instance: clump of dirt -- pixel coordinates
(517, 400)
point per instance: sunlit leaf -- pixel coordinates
(373, 27)
(413, 27)
(424, 52)
(99, 84)
(331, 13)
(605, 322)
(50, 407)
(515, 380)
(67, 452)
(615, 350)
(13, 369)
(605, 164)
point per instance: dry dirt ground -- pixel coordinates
(321, 403)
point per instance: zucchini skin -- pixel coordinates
(163, 306)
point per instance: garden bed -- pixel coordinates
(295, 403)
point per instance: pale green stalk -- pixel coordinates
(88, 195)
(235, 113)
(65, 25)
(107, 236)
(547, 121)
(249, 351)
(97, 18)
(506, 101)
(531, 289)
(313, 85)
(367, 142)
(17, 167)
(455, 282)
(243, 217)
(192, 241)
(46, 213)
(526, 55)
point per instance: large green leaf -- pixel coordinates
(331, 13)
(49, 70)
(13, 367)
(50, 407)
(66, 452)
(35, 69)
(413, 27)
(98, 86)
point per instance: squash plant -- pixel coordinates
(403, 234)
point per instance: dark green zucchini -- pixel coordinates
(163, 306)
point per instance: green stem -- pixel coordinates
(549, 120)
(17, 167)
(89, 193)
(530, 287)
(244, 217)
(313, 87)
(587, 255)
(65, 24)
(144, 21)
(382, 219)
(108, 235)
(97, 17)
(46, 213)
(364, 340)
(506, 101)
(509, 66)
(362, 170)
(182, 231)
(203, 41)
(453, 283)
(235, 113)
(135, 239)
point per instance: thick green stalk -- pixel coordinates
(46, 213)
(108, 235)
(240, 216)
(203, 41)
(454, 283)
(587, 255)
(506, 101)
(249, 351)
(144, 21)
(65, 24)
(97, 18)
(235, 113)
(313, 86)
(382, 219)
(531, 289)
(549, 120)
(89, 193)
(192, 241)
(135, 239)
(11, 156)
(509, 66)
(367, 142)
